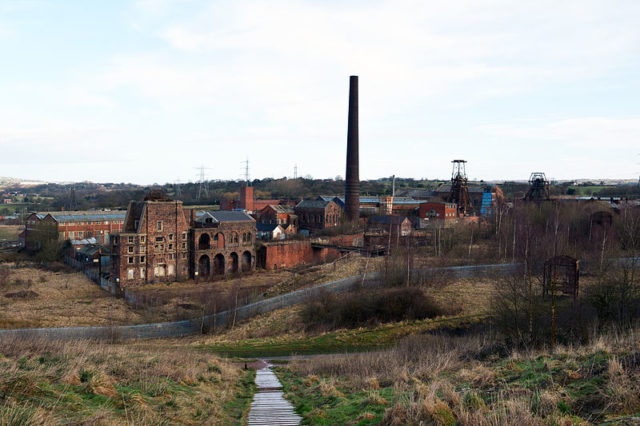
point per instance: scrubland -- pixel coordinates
(44, 382)
(446, 380)
(38, 297)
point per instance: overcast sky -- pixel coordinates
(123, 91)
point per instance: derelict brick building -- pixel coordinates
(222, 242)
(162, 241)
(153, 245)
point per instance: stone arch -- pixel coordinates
(204, 266)
(218, 263)
(218, 240)
(204, 242)
(246, 261)
(234, 262)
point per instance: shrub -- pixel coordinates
(369, 307)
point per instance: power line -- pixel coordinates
(203, 185)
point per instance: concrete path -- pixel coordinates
(269, 406)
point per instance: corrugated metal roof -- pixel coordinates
(87, 215)
(224, 216)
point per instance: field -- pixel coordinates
(9, 232)
(282, 332)
(159, 382)
(34, 297)
(187, 299)
(470, 381)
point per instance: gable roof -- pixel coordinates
(217, 216)
(387, 220)
(268, 227)
(313, 204)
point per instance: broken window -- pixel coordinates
(130, 239)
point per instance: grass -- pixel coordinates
(470, 381)
(345, 340)
(322, 401)
(10, 232)
(32, 297)
(152, 383)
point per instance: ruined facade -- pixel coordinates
(161, 241)
(153, 245)
(222, 242)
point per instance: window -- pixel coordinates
(130, 273)
(184, 235)
(184, 255)
(142, 273)
(143, 249)
(130, 239)
(80, 233)
(143, 239)
(159, 225)
(159, 239)
(170, 246)
(130, 260)
(130, 249)
(184, 245)
(141, 259)
(170, 237)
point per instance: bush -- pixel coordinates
(369, 307)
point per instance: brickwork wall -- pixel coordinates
(288, 254)
(159, 252)
(224, 254)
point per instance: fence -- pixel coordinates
(93, 275)
(221, 319)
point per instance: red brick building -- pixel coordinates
(222, 242)
(247, 201)
(315, 215)
(153, 245)
(72, 225)
(278, 215)
(397, 226)
(438, 210)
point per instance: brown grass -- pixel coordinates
(10, 232)
(470, 381)
(47, 382)
(57, 299)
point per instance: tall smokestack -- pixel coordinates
(352, 187)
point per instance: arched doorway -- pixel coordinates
(204, 266)
(246, 261)
(234, 262)
(204, 242)
(218, 264)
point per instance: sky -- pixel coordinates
(149, 91)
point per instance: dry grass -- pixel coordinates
(470, 381)
(94, 383)
(33, 297)
(10, 232)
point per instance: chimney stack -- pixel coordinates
(352, 179)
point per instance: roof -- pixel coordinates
(313, 204)
(267, 227)
(223, 216)
(77, 216)
(281, 209)
(387, 220)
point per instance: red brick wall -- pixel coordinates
(293, 253)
